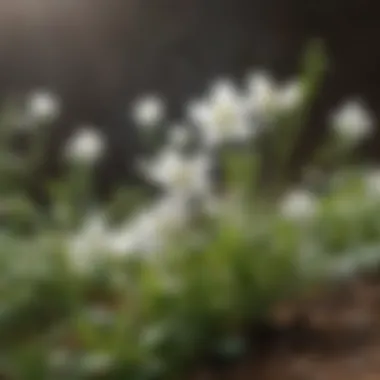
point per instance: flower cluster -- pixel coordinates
(226, 114)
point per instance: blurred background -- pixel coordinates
(98, 56)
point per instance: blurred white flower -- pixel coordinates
(85, 246)
(261, 92)
(177, 173)
(96, 241)
(149, 231)
(163, 222)
(265, 96)
(372, 183)
(85, 146)
(42, 106)
(352, 121)
(153, 228)
(124, 241)
(299, 205)
(290, 96)
(149, 111)
(222, 116)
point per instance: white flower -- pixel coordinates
(265, 96)
(352, 122)
(149, 111)
(42, 106)
(148, 231)
(299, 205)
(177, 173)
(153, 228)
(85, 247)
(85, 146)
(222, 116)
(96, 241)
(261, 92)
(290, 96)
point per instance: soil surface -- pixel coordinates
(333, 334)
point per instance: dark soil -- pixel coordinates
(333, 334)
